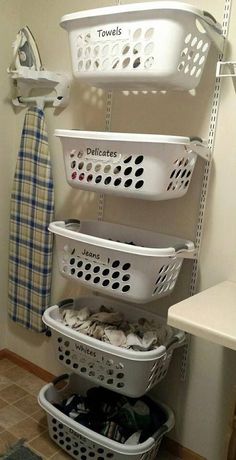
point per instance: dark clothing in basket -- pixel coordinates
(122, 419)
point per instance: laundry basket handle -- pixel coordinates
(60, 379)
(209, 15)
(65, 303)
(177, 339)
(72, 221)
(159, 433)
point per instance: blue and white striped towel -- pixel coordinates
(32, 208)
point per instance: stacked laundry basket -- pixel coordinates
(159, 45)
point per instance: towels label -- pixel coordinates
(114, 31)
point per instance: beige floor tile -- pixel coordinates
(3, 403)
(163, 455)
(41, 417)
(10, 415)
(12, 393)
(6, 440)
(4, 382)
(16, 373)
(44, 445)
(61, 455)
(31, 383)
(29, 404)
(27, 429)
(5, 364)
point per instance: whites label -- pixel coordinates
(114, 31)
(85, 350)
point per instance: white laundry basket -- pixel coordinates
(133, 264)
(125, 371)
(143, 166)
(154, 45)
(82, 443)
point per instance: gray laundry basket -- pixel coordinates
(82, 443)
(129, 372)
(120, 261)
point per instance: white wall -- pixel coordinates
(201, 402)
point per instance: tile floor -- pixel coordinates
(21, 416)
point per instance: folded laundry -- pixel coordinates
(112, 327)
(122, 419)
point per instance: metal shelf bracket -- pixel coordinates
(226, 69)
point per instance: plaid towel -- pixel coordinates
(32, 207)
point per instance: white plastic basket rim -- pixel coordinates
(125, 137)
(98, 438)
(176, 340)
(182, 249)
(141, 7)
(196, 144)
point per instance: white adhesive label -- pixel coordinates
(93, 256)
(113, 32)
(102, 154)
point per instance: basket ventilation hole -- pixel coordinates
(89, 166)
(115, 50)
(188, 38)
(194, 41)
(200, 27)
(115, 286)
(117, 182)
(126, 288)
(125, 62)
(79, 52)
(116, 263)
(205, 47)
(149, 33)
(128, 159)
(98, 179)
(107, 169)
(88, 64)
(136, 63)
(125, 49)
(137, 34)
(139, 159)
(107, 180)
(120, 385)
(139, 172)
(149, 48)
(96, 64)
(128, 171)
(137, 48)
(105, 50)
(139, 184)
(149, 62)
(117, 169)
(128, 183)
(115, 63)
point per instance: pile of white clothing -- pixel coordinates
(110, 326)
